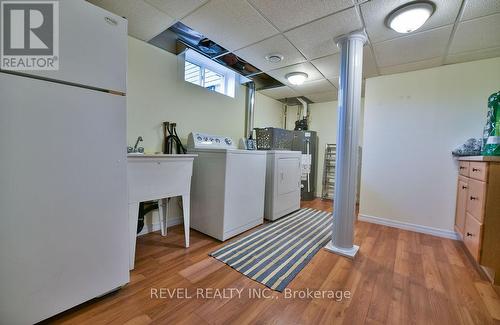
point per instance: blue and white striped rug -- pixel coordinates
(275, 254)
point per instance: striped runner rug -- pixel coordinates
(277, 252)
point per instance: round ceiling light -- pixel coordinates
(274, 58)
(297, 78)
(410, 17)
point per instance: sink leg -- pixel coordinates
(167, 201)
(185, 207)
(161, 217)
(133, 211)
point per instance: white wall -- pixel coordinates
(412, 122)
(155, 94)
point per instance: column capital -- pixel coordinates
(358, 34)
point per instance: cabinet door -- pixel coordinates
(476, 199)
(462, 191)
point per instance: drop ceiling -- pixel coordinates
(303, 32)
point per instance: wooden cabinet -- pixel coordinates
(477, 219)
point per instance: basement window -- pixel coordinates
(203, 72)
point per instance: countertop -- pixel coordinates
(480, 158)
(162, 156)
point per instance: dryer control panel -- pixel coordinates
(198, 140)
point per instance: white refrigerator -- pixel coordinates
(63, 193)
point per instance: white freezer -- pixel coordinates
(92, 47)
(63, 197)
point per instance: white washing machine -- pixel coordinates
(228, 186)
(282, 183)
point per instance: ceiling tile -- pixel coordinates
(176, 8)
(420, 65)
(144, 20)
(315, 39)
(323, 97)
(479, 8)
(231, 23)
(255, 54)
(375, 12)
(316, 86)
(412, 48)
(286, 14)
(279, 92)
(335, 82)
(473, 55)
(328, 65)
(476, 34)
(279, 74)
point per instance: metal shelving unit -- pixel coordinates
(329, 171)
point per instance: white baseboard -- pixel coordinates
(409, 226)
(152, 227)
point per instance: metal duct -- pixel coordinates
(249, 109)
(304, 106)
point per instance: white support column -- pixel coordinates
(351, 64)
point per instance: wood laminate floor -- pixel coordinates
(398, 277)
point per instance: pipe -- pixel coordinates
(249, 109)
(304, 105)
(285, 113)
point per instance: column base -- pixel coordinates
(349, 252)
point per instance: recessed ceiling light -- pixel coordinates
(296, 78)
(410, 17)
(274, 58)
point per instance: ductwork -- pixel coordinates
(249, 109)
(304, 106)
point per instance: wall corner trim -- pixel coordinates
(409, 226)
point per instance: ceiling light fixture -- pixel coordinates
(297, 78)
(274, 58)
(410, 17)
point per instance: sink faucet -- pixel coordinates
(139, 139)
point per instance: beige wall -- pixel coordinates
(323, 120)
(156, 93)
(412, 123)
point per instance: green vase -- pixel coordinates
(491, 136)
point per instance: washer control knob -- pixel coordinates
(217, 140)
(199, 138)
(228, 141)
(206, 139)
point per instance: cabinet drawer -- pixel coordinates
(473, 236)
(478, 170)
(463, 168)
(476, 199)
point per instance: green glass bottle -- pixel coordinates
(491, 137)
